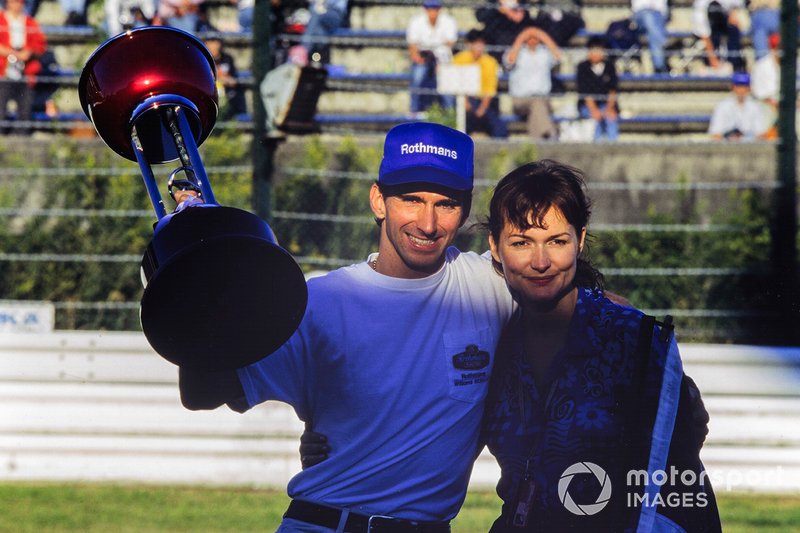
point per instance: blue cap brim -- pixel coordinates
(425, 174)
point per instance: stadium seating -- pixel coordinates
(389, 86)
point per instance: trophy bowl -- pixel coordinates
(143, 69)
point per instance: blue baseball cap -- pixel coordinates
(423, 152)
(433, 4)
(740, 78)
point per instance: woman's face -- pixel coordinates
(540, 263)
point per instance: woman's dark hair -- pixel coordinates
(523, 197)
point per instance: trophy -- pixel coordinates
(219, 291)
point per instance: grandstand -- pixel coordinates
(367, 89)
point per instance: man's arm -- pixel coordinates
(483, 107)
(546, 40)
(611, 105)
(203, 390)
(699, 414)
(713, 60)
(413, 52)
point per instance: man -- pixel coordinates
(651, 18)
(561, 19)
(392, 359)
(22, 42)
(597, 89)
(714, 20)
(227, 79)
(765, 81)
(483, 111)
(765, 20)
(327, 16)
(739, 116)
(431, 36)
(530, 61)
(502, 23)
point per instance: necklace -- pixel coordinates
(374, 264)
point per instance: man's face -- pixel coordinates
(477, 47)
(533, 41)
(417, 229)
(15, 6)
(596, 54)
(741, 92)
(512, 10)
(214, 47)
(433, 14)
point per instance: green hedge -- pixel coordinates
(315, 242)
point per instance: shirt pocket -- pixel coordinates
(469, 357)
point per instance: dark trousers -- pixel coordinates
(490, 122)
(22, 94)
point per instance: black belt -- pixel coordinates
(358, 523)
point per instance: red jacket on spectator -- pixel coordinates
(34, 41)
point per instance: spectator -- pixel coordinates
(502, 24)
(765, 19)
(75, 11)
(31, 7)
(245, 12)
(739, 117)
(203, 24)
(530, 61)
(765, 82)
(561, 19)
(227, 80)
(181, 14)
(651, 18)
(597, 90)
(44, 90)
(766, 76)
(327, 16)
(714, 20)
(431, 36)
(483, 112)
(122, 15)
(22, 42)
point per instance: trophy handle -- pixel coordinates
(174, 126)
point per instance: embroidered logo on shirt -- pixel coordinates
(472, 358)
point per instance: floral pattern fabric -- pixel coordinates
(579, 417)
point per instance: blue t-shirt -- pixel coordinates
(394, 372)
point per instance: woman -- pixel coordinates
(21, 44)
(584, 391)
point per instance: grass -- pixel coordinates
(56, 507)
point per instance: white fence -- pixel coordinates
(99, 406)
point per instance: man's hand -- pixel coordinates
(314, 448)
(203, 390)
(700, 416)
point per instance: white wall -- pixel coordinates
(103, 406)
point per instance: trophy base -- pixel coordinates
(229, 298)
